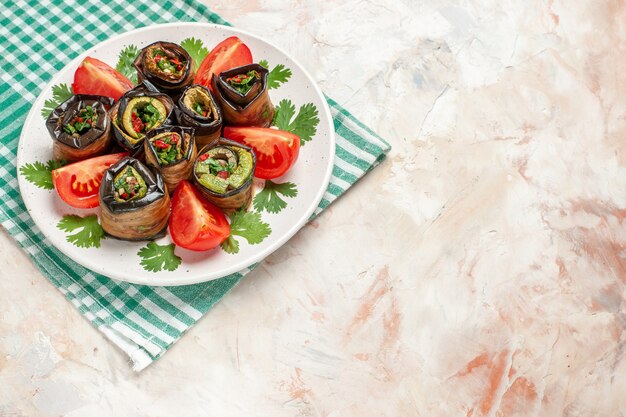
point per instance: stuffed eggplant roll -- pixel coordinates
(136, 113)
(80, 127)
(134, 202)
(172, 151)
(166, 65)
(224, 174)
(196, 108)
(243, 97)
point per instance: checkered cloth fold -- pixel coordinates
(37, 39)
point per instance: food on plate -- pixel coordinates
(77, 184)
(80, 127)
(229, 53)
(138, 111)
(195, 223)
(166, 65)
(224, 174)
(171, 150)
(134, 202)
(243, 96)
(196, 108)
(276, 150)
(94, 77)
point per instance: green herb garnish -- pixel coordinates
(60, 93)
(304, 124)
(278, 75)
(40, 174)
(125, 62)
(82, 122)
(248, 225)
(196, 49)
(156, 257)
(269, 199)
(88, 230)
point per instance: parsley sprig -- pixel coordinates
(156, 257)
(304, 124)
(196, 49)
(60, 93)
(277, 76)
(269, 198)
(40, 174)
(125, 62)
(88, 231)
(248, 225)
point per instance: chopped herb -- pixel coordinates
(243, 82)
(269, 200)
(129, 185)
(156, 257)
(82, 122)
(167, 64)
(168, 148)
(199, 108)
(88, 230)
(60, 93)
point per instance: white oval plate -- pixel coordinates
(120, 259)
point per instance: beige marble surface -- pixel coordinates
(479, 271)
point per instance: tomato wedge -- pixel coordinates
(195, 223)
(230, 53)
(95, 77)
(78, 184)
(276, 150)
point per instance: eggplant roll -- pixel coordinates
(166, 65)
(134, 202)
(80, 127)
(196, 108)
(243, 97)
(224, 173)
(136, 113)
(171, 150)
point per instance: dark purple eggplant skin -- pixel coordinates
(251, 109)
(233, 200)
(68, 109)
(207, 129)
(142, 219)
(154, 182)
(145, 89)
(165, 83)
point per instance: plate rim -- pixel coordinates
(158, 279)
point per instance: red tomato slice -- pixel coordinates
(276, 150)
(78, 184)
(95, 77)
(230, 53)
(195, 223)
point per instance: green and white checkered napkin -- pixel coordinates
(38, 38)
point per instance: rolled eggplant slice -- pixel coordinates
(224, 174)
(134, 202)
(171, 150)
(166, 65)
(80, 127)
(136, 113)
(243, 96)
(196, 108)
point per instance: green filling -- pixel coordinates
(226, 168)
(168, 148)
(129, 185)
(243, 82)
(165, 64)
(84, 120)
(143, 114)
